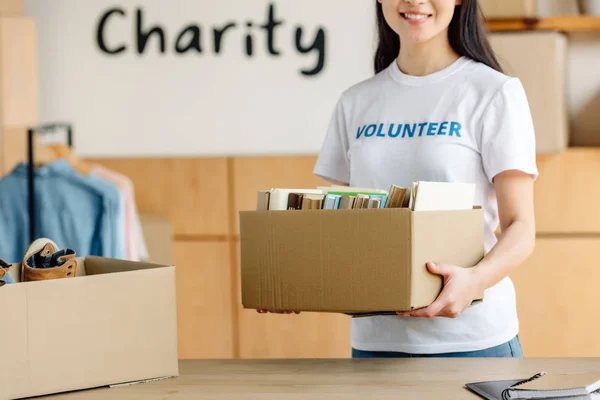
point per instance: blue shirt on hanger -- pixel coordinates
(83, 213)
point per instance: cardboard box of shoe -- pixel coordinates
(115, 322)
(357, 262)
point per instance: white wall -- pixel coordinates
(198, 104)
(203, 104)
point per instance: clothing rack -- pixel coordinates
(31, 132)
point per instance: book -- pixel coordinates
(279, 197)
(332, 202)
(545, 385)
(262, 200)
(374, 203)
(312, 201)
(346, 202)
(360, 200)
(442, 196)
(295, 201)
(541, 386)
(353, 191)
(336, 189)
(396, 197)
(379, 199)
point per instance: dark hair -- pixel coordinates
(466, 34)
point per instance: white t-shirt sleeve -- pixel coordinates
(333, 162)
(508, 134)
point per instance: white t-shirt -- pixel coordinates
(465, 123)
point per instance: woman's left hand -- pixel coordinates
(461, 287)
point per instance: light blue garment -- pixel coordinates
(8, 278)
(83, 213)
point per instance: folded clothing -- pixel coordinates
(5, 277)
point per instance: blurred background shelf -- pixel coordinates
(564, 24)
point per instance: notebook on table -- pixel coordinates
(541, 386)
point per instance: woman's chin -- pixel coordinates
(416, 38)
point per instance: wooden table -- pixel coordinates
(421, 379)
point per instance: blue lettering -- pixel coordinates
(394, 135)
(455, 129)
(432, 127)
(443, 128)
(422, 126)
(360, 131)
(410, 131)
(379, 133)
(370, 132)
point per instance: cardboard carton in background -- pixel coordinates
(158, 233)
(539, 60)
(528, 8)
(12, 8)
(114, 323)
(352, 261)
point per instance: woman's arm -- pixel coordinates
(514, 191)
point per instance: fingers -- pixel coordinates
(439, 269)
(431, 311)
(434, 309)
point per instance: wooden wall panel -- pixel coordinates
(558, 299)
(256, 173)
(567, 192)
(192, 193)
(204, 300)
(12, 7)
(18, 72)
(308, 335)
(13, 148)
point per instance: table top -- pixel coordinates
(334, 379)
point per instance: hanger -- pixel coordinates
(62, 151)
(42, 154)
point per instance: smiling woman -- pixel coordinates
(440, 109)
(454, 25)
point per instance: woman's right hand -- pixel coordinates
(277, 312)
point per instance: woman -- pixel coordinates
(450, 115)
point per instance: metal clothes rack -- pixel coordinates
(31, 132)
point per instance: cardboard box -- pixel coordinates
(509, 8)
(158, 234)
(528, 8)
(367, 261)
(12, 8)
(539, 60)
(113, 323)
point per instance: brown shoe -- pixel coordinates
(44, 260)
(5, 277)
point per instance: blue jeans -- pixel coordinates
(511, 349)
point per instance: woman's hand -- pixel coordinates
(277, 312)
(461, 287)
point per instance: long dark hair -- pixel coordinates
(466, 34)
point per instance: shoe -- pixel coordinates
(44, 260)
(5, 277)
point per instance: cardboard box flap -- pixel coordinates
(99, 265)
(326, 260)
(440, 237)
